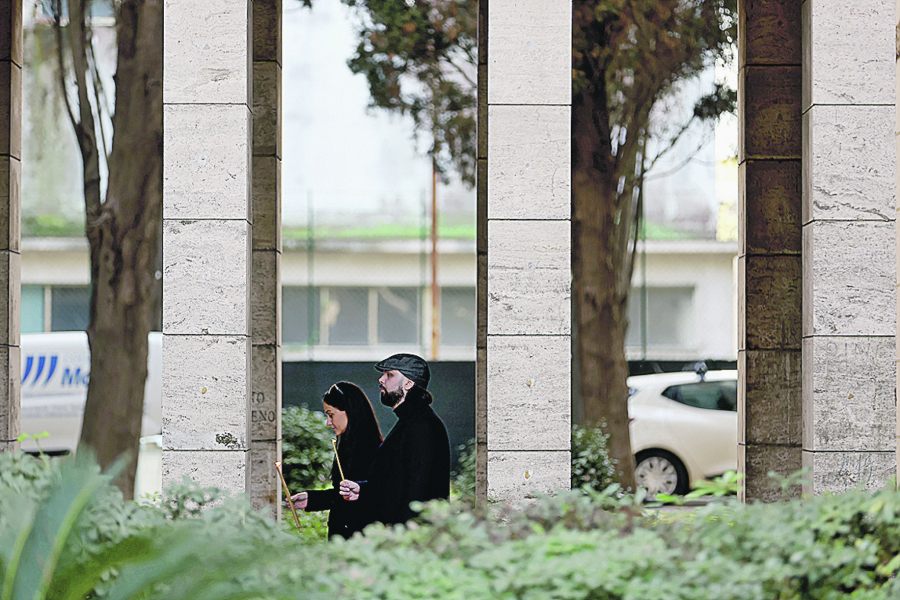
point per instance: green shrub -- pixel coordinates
(313, 525)
(107, 519)
(591, 464)
(66, 533)
(462, 478)
(306, 449)
(51, 226)
(578, 545)
(603, 546)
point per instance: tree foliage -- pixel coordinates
(628, 56)
(419, 60)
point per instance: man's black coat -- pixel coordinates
(413, 463)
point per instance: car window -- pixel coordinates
(713, 395)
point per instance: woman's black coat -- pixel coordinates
(345, 518)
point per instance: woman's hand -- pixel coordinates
(300, 500)
(350, 490)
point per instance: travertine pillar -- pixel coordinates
(207, 90)
(849, 247)
(896, 189)
(10, 203)
(481, 247)
(769, 261)
(524, 342)
(265, 405)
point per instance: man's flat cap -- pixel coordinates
(414, 367)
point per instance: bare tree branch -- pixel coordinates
(462, 73)
(690, 156)
(60, 55)
(85, 132)
(99, 98)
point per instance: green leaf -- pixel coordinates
(77, 581)
(40, 541)
(12, 544)
(194, 561)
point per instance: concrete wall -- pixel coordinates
(849, 247)
(265, 398)
(708, 324)
(817, 266)
(769, 263)
(523, 377)
(207, 236)
(896, 189)
(10, 203)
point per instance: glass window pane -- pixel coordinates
(669, 317)
(458, 316)
(32, 308)
(712, 395)
(69, 308)
(299, 316)
(347, 315)
(398, 316)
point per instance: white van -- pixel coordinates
(56, 368)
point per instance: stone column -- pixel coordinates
(481, 247)
(896, 189)
(10, 232)
(524, 248)
(769, 260)
(265, 409)
(849, 245)
(207, 237)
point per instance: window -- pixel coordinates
(69, 308)
(300, 315)
(713, 395)
(345, 313)
(398, 316)
(363, 316)
(32, 308)
(458, 316)
(669, 317)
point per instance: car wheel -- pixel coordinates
(660, 472)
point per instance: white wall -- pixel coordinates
(707, 267)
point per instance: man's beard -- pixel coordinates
(390, 399)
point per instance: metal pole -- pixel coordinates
(435, 290)
(422, 336)
(311, 333)
(643, 262)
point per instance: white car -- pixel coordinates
(683, 428)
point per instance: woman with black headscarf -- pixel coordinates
(351, 416)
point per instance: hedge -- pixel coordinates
(66, 534)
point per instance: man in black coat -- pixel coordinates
(413, 462)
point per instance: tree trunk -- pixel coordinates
(600, 306)
(124, 244)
